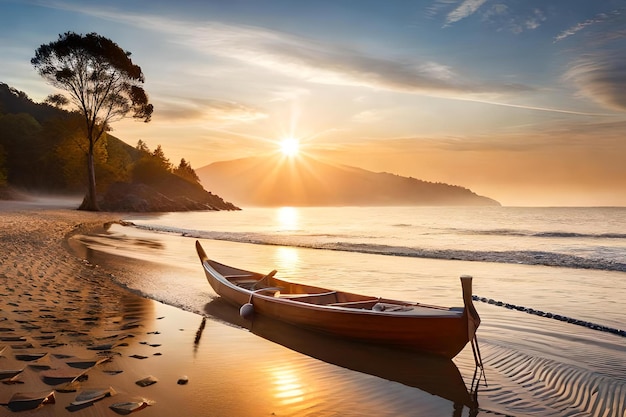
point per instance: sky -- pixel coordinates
(523, 101)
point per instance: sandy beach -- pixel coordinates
(66, 329)
(64, 322)
(73, 321)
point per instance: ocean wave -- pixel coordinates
(546, 234)
(514, 257)
(582, 235)
(524, 257)
(557, 234)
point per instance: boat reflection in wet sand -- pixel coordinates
(433, 374)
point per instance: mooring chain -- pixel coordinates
(559, 317)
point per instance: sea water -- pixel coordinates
(569, 264)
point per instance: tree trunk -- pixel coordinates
(90, 202)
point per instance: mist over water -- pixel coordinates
(565, 261)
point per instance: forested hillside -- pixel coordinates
(43, 149)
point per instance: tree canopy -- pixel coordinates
(184, 170)
(100, 82)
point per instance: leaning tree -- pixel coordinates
(101, 83)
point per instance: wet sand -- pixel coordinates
(69, 329)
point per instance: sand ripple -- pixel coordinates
(523, 385)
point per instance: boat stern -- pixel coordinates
(473, 319)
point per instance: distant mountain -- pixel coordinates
(305, 181)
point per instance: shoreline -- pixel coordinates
(63, 309)
(68, 310)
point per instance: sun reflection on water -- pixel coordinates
(286, 259)
(288, 389)
(287, 218)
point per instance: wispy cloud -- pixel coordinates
(534, 21)
(333, 64)
(322, 63)
(439, 5)
(602, 78)
(368, 116)
(515, 21)
(209, 110)
(599, 71)
(542, 109)
(313, 61)
(499, 15)
(465, 9)
(233, 112)
(565, 133)
(290, 94)
(600, 18)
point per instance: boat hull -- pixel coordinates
(436, 330)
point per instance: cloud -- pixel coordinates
(602, 78)
(234, 112)
(334, 64)
(495, 10)
(439, 5)
(533, 22)
(289, 94)
(309, 60)
(208, 110)
(564, 133)
(600, 18)
(368, 116)
(576, 28)
(504, 18)
(498, 15)
(599, 71)
(465, 9)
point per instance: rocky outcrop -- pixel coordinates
(9, 193)
(163, 197)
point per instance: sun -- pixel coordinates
(290, 146)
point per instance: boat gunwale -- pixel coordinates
(438, 312)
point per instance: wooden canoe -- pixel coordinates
(399, 324)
